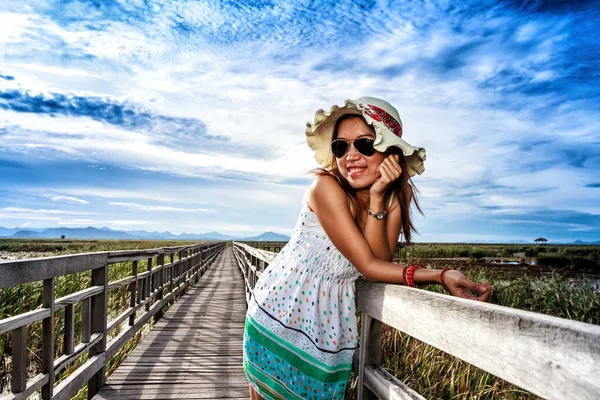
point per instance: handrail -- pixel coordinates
(552, 357)
(163, 282)
(252, 262)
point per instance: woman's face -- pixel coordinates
(360, 171)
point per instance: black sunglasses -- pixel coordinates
(339, 147)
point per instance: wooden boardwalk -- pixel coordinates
(195, 350)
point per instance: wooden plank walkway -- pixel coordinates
(195, 350)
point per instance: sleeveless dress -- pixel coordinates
(300, 330)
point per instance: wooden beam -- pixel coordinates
(8, 324)
(39, 269)
(549, 356)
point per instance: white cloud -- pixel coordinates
(144, 207)
(69, 199)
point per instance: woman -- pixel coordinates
(301, 330)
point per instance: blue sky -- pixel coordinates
(189, 116)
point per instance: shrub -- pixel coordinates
(553, 260)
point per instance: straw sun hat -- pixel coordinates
(377, 112)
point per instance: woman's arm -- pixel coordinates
(328, 202)
(382, 235)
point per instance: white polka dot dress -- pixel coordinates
(301, 332)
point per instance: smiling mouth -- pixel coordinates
(355, 171)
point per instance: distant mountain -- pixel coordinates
(268, 237)
(580, 242)
(207, 236)
(107, 233)
(8, 231)
(73, 233)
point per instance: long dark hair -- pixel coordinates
(403, 187)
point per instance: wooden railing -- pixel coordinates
(252, 262)
(161, 283)
(552, 357)
(277, 246)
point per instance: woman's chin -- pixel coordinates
(359, 183)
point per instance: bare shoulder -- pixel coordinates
(325, 191)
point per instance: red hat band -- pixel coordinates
(382, 116)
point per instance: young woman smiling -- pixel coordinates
(301, 330)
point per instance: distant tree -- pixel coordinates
(541, 240)
(62, 236)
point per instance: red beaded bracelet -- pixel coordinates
(442, 278)
(409, 275)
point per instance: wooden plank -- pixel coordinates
(119, 341)
(76, 297)
(263, 255)
(39, 269)
(8, 324)
(120, 318)
(86, 373)
(385, 386)
(33, 385)
(121, 282)
(195, 349)
(63, 361)
(552, 357)
(137, 255)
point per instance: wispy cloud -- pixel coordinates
(183, 132)
(144, 207)
(69, 199)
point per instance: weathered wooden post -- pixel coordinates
(201, 260)
(159, 296)
(98, 322)
(172, 273)
(69, 333)
(132, 291)
(19, 359)
(48, 338)
(149, 283)
(370, 352)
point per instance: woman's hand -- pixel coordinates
(458, 285)
(389, 170)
